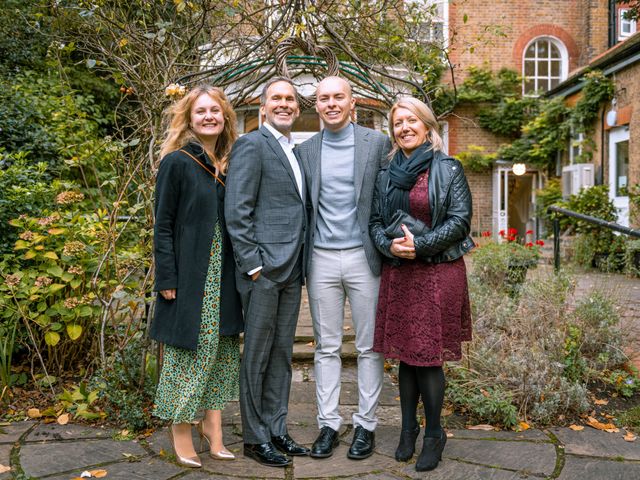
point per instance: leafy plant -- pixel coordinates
(625, 383)
(80, 402)
(476, 160)
(550, 194)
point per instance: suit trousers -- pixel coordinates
(271, 314)
(335, 275)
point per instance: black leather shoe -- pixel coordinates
(362, 444)
(431, 453)
(407, 444)
(266, 454)
(286, 444)
(325, 443)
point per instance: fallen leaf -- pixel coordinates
(630, 437)
(85, 474)
(347, 328)
(310, 344)
(63, 419)
(446, 412)
(524, 426)
(607, 427)
(98, 473)
(484, 427)
(601, 402)
(4, 468)
(34, 413)
(397, 399)
(76, 478)
(449, 434)
(124, 432)
(485, 393)
(576, 428)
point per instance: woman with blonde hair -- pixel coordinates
(420, 222)
(198, 315)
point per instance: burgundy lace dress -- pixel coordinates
(423, 310)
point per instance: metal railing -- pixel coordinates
(586, 218)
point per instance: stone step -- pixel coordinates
(303, 351)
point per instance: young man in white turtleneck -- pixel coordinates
(341, 163)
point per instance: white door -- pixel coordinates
(500, 199)
(619, 172)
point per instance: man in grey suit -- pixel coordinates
(266, 217)
(341, 164)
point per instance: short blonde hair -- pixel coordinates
(179, 133)
(426, 116)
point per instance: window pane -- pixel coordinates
(555, 69)
(531, 51)
(622, 168)
(543, 68)
(554, 51)
(543, 48)
(554, 82)
(529, 86)
(529, 68)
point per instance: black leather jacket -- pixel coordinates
(451, 208)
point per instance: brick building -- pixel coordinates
(546, 41)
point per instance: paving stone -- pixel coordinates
(592, 468)
(595, 443)
(453, 470)
(523, 456)
(200, 475)
(48, 458)
(338, 465)
(5, 458)
(528, 435)
(53, 431)
(240, 467)
(145, 469)
(307, 435)
(12, 432)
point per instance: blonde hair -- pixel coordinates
(426, 116)
(179, 133)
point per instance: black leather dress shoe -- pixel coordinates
(325, 443)
(362, 444)
(266, 454)
(286, 444)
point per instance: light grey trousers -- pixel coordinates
(335, 275)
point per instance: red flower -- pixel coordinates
(529, 232)
(529, 244)
(501, 233)
(486, 233)
(539, 242)
(513, 231)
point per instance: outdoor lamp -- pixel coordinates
(519, 169)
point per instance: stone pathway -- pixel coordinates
(37, 450)
(55, 452)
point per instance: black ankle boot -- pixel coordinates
(407, 444)
(431, 452)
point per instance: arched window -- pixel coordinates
(544, 65)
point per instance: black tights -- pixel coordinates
(427, 382)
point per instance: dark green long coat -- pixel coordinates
(188, 204)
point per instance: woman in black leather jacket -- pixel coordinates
(420, 222)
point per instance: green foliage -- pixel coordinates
(597, 90)
(503, 265)
(507, 117)
(476, 160)
(481, 85)
(128, 384)
(489, 404)
(632, 257)
(25, 189)
(623, 382)
(546, 196)
(594, 245)
(541, 137)
(574, 364)
(24, 29)
(80, 401)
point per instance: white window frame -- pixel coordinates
(442, 19)
(564, 64)
(575, 140)
(624, 22)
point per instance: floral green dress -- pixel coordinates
(208, 377)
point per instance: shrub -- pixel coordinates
(533, 354)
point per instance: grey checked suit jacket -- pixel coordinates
(264, 212)
(371, 150)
